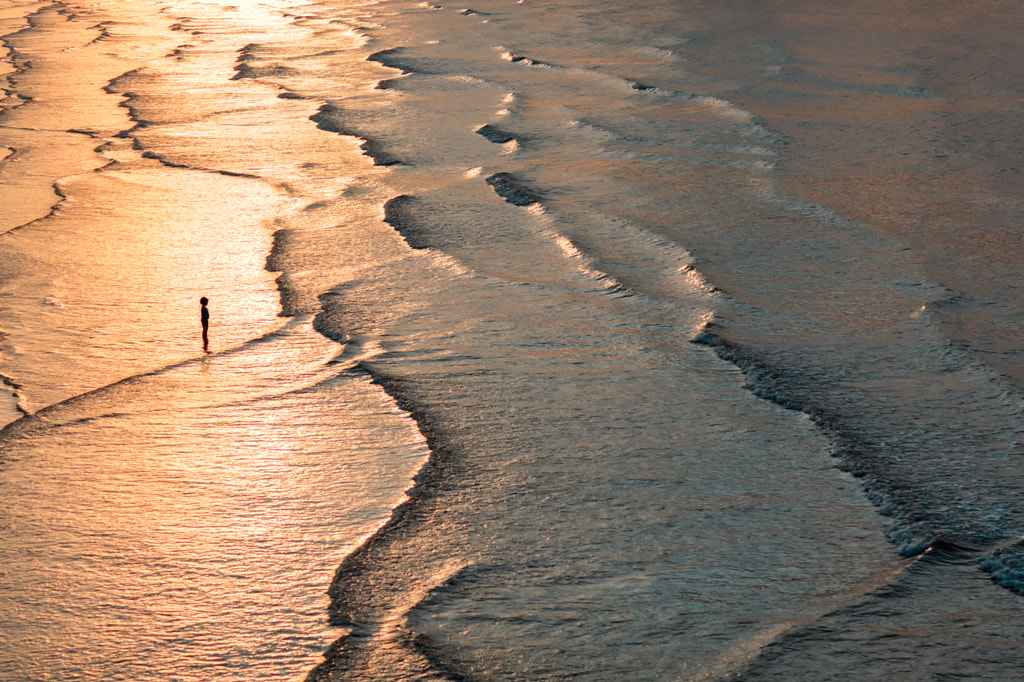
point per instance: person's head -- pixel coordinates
(204, 301)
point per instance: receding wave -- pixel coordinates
(289, 359)
(497, 135)
(927, 517)
(528, 61)
(512, 189)
(332, 118)
(398, 214)
(246, 68)
(375, 616)
(393, 57)
(1006, 566)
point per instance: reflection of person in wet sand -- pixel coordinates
(204, 317)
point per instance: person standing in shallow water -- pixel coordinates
(204, 317)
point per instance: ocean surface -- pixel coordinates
(550, 340)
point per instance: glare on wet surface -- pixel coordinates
(168, 512)
(203, 523)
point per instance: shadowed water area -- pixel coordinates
(548, 341)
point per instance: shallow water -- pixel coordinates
(167, 515)
(171, 540)
(661, 291)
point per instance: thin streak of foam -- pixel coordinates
(725, 109)
(661, 52)
(508, 102)
(440, 258)
(721, 108)
(466, 78)
(321, 359)
(594, 131)
(12, 68)
(585, 265)
(391, 622)
(696, 279)
(536, 209)
(449, 262)
(13, 389)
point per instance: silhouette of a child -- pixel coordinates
(204, 317)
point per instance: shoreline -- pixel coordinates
(367, 619)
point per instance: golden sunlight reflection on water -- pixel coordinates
(200, 509)
(169, 514)
(105, 290)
